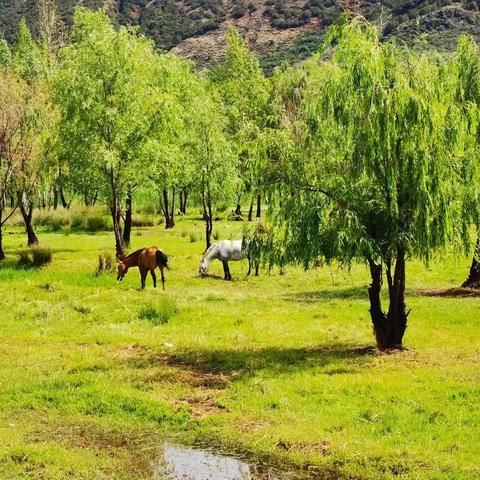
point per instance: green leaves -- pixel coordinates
(375, 145)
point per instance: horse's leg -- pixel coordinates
(225, 270)
(163, 278)
(154, 277)
(143, 276)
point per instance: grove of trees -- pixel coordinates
(368, 151)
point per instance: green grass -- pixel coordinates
(94, 375)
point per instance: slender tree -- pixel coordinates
(213, 162)
(20, 138)
(245, 92)
(107, 96)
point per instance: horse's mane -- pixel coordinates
(209, 249)
(136, 252)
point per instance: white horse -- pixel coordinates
(225, 251)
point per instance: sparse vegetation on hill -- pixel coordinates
(279, 29)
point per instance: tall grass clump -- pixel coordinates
(106, 263)
(52, 220)
(36, 256)
(159, 312)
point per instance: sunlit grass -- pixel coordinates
(95, 374)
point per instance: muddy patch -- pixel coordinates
(184, 463)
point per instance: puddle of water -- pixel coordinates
(184, 463)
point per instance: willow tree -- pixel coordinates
(107, 96)
(170, 168)
(213, 164)
(369, 172)
(245, 92)
(467, 69)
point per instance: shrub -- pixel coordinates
(96, 223)
(24, 259)
(158, 313)
(106, 263)
(139, 220)
(216, 235)
(37, 256)
(193, 237)
(41, 255)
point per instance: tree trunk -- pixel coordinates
(32, 238)
(127, 228)
(116, 218)
(2, 253)
(65, 204)
(238, 209)
(166, 209)
(55, 198)
(389, 328)
(207, 215)
(172, 210)
(250, 212)
(183, 201)
(117, 230)
(259, 206)
(473, 280)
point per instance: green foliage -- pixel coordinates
(159, 312)
(5, 53)
(373, 168)
(26, 56)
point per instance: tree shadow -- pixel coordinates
(328, 294)
(332, 359)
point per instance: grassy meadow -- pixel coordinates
(95, 375)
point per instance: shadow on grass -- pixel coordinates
(333, 359)
(328, 294)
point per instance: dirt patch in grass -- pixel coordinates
(134, 351)
(449, 292)
(202, 406)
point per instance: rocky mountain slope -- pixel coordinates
(276, 29)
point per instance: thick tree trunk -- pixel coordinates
(389, 328)
(259, 206)
(27, 213)
(473, 279)
(250, 212)
(127, 227)
(166, 210)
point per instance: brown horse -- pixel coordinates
(147, 260)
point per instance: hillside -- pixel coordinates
(276, 29)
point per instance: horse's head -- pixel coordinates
(121, 271)
(203, 266)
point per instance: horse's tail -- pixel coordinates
(162, 259)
